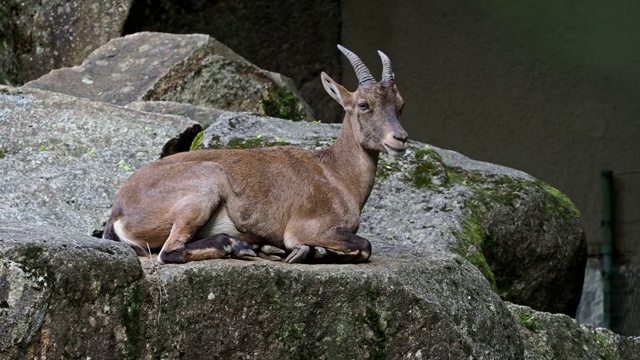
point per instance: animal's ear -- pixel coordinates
(335, 90)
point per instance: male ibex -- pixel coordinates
(209, 204)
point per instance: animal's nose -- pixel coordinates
(402, 137)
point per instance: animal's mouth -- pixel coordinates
(393, 151)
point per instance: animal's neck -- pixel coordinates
(355, 166)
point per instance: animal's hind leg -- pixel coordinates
(338, 245)
(187, 221)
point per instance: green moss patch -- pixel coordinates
(283, 104)
(131, 318)
(378, 343)
(196, 141)
(473, 241)
(428, 164)
(558, 204)
(526, 319)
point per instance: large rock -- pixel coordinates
(525, 236)
(194, 69)
(63, 158)
(45, 35)
(295, 38)
(67, 295)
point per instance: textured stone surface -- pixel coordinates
(194, 69)
(46, 35)
(63, 158)
(525, 236)
(64, 294)
(97, 303)
(67, 295)
(436, 305)
(556, 336)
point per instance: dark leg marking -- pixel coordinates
(212, 247)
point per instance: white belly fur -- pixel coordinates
(218, 223)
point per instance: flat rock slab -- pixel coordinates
(63, 158)
(194, 69)
(70, 295)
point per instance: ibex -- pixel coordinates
(208, 204)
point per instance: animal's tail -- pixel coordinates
(109, 233)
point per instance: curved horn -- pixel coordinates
(363, 74)
(387, 72)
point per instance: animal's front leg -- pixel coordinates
(213, 247)
(337, 245)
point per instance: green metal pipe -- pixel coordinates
(606, 246)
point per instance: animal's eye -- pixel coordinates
(363, 106)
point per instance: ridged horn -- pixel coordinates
(387, 72)
(363, 74)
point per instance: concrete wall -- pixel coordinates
(548, 87)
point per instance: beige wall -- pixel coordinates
(548, 87)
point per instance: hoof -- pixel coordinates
(271, 250)
(269, 257)
(174, 257)
(241, 249)
(298, 254)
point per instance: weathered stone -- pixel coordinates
(46, 35)
(96, 303)
(436, 305)
(556, 336)
(524, 236)
(64, 158)
(294, 38)
(66, 295)
(194, 69)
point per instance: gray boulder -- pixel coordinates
(63, 158)
(194, 69)
(431, 217)
(64, 294)
(68, 296)
(295, 38)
